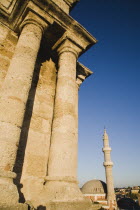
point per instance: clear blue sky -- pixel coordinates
(111, 96)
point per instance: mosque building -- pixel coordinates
(99, 191)
(96, 190)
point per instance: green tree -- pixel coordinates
(133, 196)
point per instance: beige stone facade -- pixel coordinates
(39, 81)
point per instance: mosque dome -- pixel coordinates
(94, 187)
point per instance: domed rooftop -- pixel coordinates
(94, 187)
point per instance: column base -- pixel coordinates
(62, 190)
(19, 206)
(70, 205)
(63, 195)
(8, 191)
(32, 188)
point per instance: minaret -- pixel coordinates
(108, 164)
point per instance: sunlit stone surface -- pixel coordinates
(39, 81)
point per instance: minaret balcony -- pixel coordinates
(106, 149)
(108, 163)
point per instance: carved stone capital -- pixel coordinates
(66, 44)
(32, 18)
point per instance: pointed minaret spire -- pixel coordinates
(108, 164)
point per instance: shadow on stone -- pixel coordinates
(26, 122)
(41, 208)
(45, 53)
(24, 133)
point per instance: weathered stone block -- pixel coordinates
(15, 207)
(69, 205)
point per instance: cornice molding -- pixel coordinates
(48, 11)
(78, 41)
(7, 6)
(71, 2)
(82, 73)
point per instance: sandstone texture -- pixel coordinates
(39, 81)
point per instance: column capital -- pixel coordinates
(67, 44)
(32, 18)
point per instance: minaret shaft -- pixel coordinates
(109, 181)
(108, 164)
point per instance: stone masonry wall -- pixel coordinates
(8, 40)
(38, 139)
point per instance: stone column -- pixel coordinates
(14, 95)
(61, 182)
